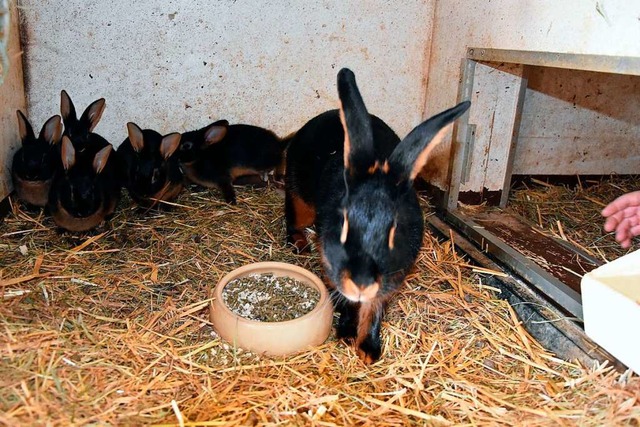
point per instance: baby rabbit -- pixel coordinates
(218, 154)
(35, 163)
(86, 191)
(80, 131)
(348, 172)
(150, 165)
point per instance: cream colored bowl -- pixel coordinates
(273, 338)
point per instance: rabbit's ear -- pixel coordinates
(52, 130)
(92, 114)
(67, 109)
(135, 137)
(101, 158)
(68, 153)
(24, 127)
(356, 122)
(169, 144)
(215, 132)
(410, 156)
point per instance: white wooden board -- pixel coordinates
(11, 98)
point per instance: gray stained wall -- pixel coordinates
(178, 65)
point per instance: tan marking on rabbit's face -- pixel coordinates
(378, 167)
(392, 236)
(355, 293)
(373, 168)
(345, 227)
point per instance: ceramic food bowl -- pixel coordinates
(273, 338)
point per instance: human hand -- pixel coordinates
(623, 216)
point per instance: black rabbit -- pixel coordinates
(35, 163)
(220, 154)
(80, 131)
(349, 173)
(150, 168)
(86, 191)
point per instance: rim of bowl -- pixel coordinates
(265, 265)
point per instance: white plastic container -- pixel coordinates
(611, 308)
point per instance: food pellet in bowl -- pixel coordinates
(269, 298)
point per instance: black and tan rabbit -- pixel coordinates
(80, 131)
(351, 175)
(150, 168)
(35, 163)
(86, 191)
(220, 155)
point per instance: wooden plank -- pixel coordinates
(553, 268)
(12, 97)
(521, 87)
(629, 65)
(497, 97)
(460, 145)
(563, 336)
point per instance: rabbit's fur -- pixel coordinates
(220, 153)
(86, 191)
(150, 168)
(36, 161)
(351, 175)
(86, 143)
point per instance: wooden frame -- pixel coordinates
(482, 157)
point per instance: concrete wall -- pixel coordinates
(609, 27)
(579, 122)
(178, 65)
(11, 99)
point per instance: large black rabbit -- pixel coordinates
(348, 172)
(35, 163)
(150, 168)
(86, 191)
(219, 154)
(80, 131)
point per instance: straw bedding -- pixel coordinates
(572, 212)
(111, 328)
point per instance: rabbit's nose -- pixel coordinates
(359, 293)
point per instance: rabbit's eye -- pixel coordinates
(345, 227)
(392, 235)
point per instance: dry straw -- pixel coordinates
(111, 328)
(572, 213)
